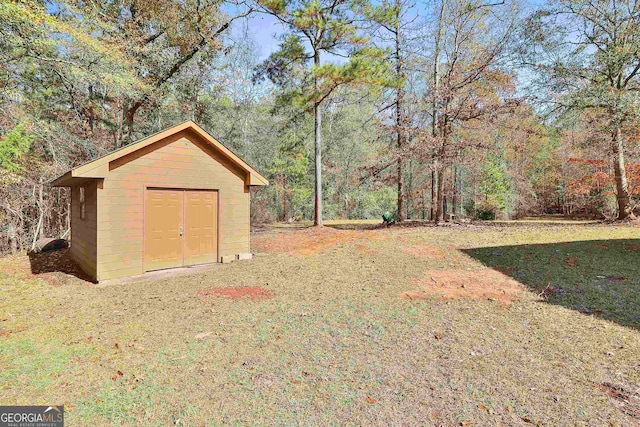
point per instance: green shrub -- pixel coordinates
(485, 214)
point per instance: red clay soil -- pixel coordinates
(236, 293)
(310, 241)
(363, 248)
(425, 251)
(598, 247)
(571, 261)
(484, 284)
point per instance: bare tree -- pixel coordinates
(468, 76)
(589, 54)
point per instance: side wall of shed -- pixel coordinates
(181, 161)
(83, 231)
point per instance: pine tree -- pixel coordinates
(322, 26)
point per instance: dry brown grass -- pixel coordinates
(628, 401)
(336, 344)
(311, 241)
(254, 293)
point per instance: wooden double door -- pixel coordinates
(180, 227)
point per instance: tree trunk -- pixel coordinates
(401, 208)
(441, 173)
(622, 186)
(90, 112)
(129, 120)
(454, 199)
(285, 214)
(38, 232)
(283, 197)
(13, 240)
(434, 193)
(436, 69)
(317, 215)
(402, 214)
(440, 199)
(436, 176)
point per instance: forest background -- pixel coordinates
(351, 108)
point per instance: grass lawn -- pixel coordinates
(527, 324)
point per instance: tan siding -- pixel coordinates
(117, 248)
(126, 255)
(83, 231)
(115, 274)
(182, 163)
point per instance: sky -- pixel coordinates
(264, 29)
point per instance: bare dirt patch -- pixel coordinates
(598, 247)
(311, 241)
(632, 247)
(254, 293)
(425, 251)
(365, 249)
(465, 284)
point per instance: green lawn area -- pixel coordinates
(484, 325)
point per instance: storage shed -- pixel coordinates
(174, 199)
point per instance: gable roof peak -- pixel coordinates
(98, 168)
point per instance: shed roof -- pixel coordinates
(99, 168)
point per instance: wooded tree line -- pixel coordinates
(484, 109)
